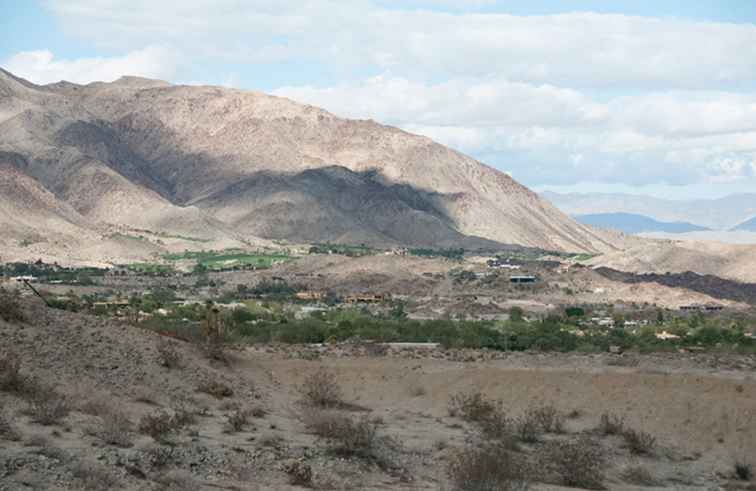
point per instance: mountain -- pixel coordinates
(716, 214)
(631, 223)
(747, 226)
(213, 163)
(731, 261)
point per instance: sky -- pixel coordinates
(636, 96)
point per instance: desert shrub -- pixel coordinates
(352, 437)
(300, 473)
(375, 349)
(548, 418)
(417, 390)
(159, 456)
(116, 429)
(639, 476)
(159, 425)
(611, 424)
(10, 309)
(178, 481)
(168, 355)
(7, 430)
(48, 407)
(95, 406)
(639, 442)
(578, 463)
(528, 428)
(257, 412)
(93, 477)
(219, 390)
(184, 416)
(501, 428)
(237, 420)
(214, 349)
(11, 378)
(472, 406)
(488, 467)
(320, 389)
(743, 471)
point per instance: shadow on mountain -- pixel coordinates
(338, 205)
(713, 286)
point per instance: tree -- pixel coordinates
(516, 314)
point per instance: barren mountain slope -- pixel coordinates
(115, 150)
(730, 261)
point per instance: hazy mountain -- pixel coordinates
(747, 226)
(718, 214)
(210, 162)
(631, 223)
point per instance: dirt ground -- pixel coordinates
(700, 407)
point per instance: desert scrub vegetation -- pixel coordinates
(10, 309)
(353, 437)
(300, 473)
(473, 407)
(743, 470)
(168, 355)
(7, 429)
(321, 389)
(93, 477)
(639, 476)
(639, 442)
(486, 466)
(115, 429)
(578, 463)
(237, 420)
(11, 378)
(547, 418)
(160, 425)
(48, 407)
(611, 424)
(219, 390)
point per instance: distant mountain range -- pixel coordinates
(747, 226)
(631, 223)
(726, 213)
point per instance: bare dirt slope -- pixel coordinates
(731, 261)
(209, 162)
(700, 408)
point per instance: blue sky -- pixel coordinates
(655, 97)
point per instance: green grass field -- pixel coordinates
(231, 258)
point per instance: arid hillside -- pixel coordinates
(209, 162)
(97, 404)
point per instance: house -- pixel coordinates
(309, 295)
(365, 298)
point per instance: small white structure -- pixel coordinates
(666, 335)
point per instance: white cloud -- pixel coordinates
(541, 96)
(41, 66)
(548, 134)
(577, 49)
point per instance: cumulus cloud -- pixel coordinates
(549, 134)
(41, 66)
(553, 98)
(576, 49)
